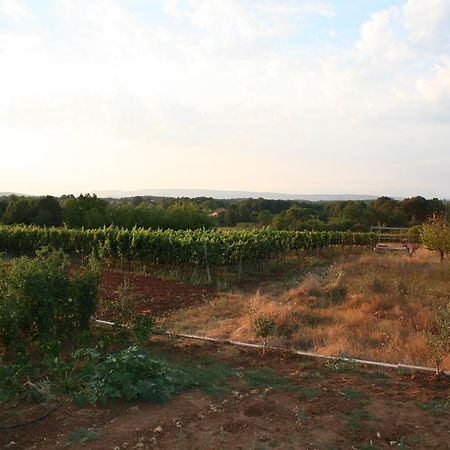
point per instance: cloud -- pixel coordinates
(244, 22)
(400, 33)
(381, 38)
(427, 20)
(65, 8)
(210, 83)
(16, 10)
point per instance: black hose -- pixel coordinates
(30, 422)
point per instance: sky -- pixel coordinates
(295, 96)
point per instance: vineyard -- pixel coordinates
(175, 247)
(57, 367)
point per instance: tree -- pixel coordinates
(85, 211)
(19, 210)
(264, 217)
(436, 235)
(263, 325)
(439, 341)
(3, 206)
(48, 212)
(416, 209)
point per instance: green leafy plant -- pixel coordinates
(174, 247)
(128, 374)
(41, 303)
(436, 235)
(142, 327)
(10, 384)
(263, 326)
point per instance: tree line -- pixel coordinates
(89, 211)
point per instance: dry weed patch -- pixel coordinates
(360, 304)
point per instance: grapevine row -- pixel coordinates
(176, 247)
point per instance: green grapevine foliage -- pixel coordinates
(175, 247)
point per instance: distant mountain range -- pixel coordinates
(225, 195)
(218, 194)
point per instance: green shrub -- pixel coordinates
(128, 374)
(263, 326)
(40, 303)
(9, 382)
(142, 327)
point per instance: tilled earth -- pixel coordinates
(324, 407)
(148, 295)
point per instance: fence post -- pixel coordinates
(208, 272)
(240, 269)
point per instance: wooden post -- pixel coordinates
(194, 273)
(240, 269)
(208, 272)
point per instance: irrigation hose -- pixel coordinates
(31, 421)
(292, 351)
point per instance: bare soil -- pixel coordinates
(149, 295)
(349, 407)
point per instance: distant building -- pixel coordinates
(217, 212)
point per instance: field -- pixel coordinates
(347, 301)
(352, 302)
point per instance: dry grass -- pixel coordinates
(364, 305)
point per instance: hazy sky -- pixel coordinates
(263, 95)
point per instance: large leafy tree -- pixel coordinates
(48, 212)
(87, 211)
(19, 210)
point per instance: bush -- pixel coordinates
(142, 327)
(263, 326)
(40, 303)
(436, 235)
(128, 374)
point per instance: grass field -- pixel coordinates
(352, 302)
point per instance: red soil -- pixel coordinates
(387, 410)
(147, 294)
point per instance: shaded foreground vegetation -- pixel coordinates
(241, 400)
